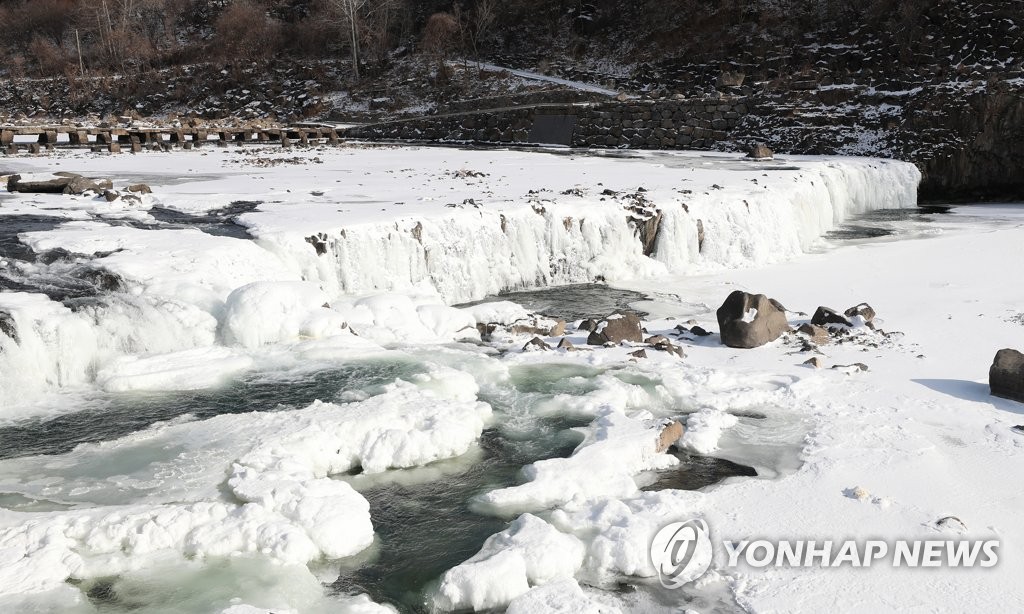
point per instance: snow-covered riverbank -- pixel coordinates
(357, 257)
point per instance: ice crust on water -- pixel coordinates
(560, 597)
(278, 465)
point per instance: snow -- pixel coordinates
(586, 87)
(917, 434)
(283, 503)
(562, 597)
(274, 312)
(618, 448)
(185, 370)
(704, 429)
(529, 553)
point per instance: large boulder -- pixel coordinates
(750, 320)
(616, 328)
(1006, 376)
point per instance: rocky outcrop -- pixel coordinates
(1006, 375)
(985, 159)
(618, 327)
(750, 320)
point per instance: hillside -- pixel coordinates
(937, 83)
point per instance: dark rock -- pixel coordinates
(104, 280)
(863, 310)
(667, 346)
(639, 353)
(760, 152)
(56, 185)
(853, 368)
(566, 345)
(815, 362)
(588, 325)
(655, 339)
(699, 331)
(646, 229)
(110, 195)
(730, 78)
(824, 316)
(750, 320)
(616, 328)
(8, 326)
(536, 344)
(1006, 376)
(139, 188)
(818, 334)
(80, 185)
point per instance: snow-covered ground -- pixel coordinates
(356, 258)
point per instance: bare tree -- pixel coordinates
(481, 19)
(350, 15)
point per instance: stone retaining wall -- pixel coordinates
(663, 124)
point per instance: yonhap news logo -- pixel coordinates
(682, 552)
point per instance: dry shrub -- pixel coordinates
(49, 59)
(441, 34)
(245, 32)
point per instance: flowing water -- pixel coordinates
(424, 519)
(573, 302)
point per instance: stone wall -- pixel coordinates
(662, 124)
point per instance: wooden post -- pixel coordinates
(78, 43)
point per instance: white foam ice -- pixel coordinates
(599, 541)
(530, 552)
(158, 493)
(563, 596)
(617, 448)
